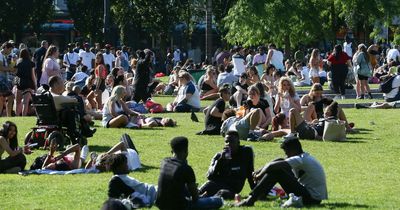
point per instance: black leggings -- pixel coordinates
(217, 189)
(285, 177)
(10, 162)
(339, 74)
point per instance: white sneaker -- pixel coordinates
(342, 97)
(293, 201)
(84, 152)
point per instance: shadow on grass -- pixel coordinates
(344, 205)
(146, 168)
(98, 148)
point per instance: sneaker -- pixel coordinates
(253, 136)
(370, 96)
(246, 202)
(342, 97)
(84, 152)
(193, 117)
(293, 201)
(360, 106)
(337, 97)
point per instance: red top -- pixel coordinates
(343, 58)
(101, 71)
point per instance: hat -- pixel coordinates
(86, 44)
(290, 141)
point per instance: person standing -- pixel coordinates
(259, 59)
(348, 47)
(27, 82)
(177, 188)
(39, 58)
(315, 61)
(70, 61)
(5, 83)
(109, 58)
(363, 69)
(87, 57)
(238, 61)
(50, 65)
(299, 173)
(339, 62)
(141, 79)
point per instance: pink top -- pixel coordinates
(50, 68)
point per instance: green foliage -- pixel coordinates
(17, 14)
(88, 17)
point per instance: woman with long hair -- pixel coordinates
(27, 82)
(50, 65)
(116, 113)
(315, 61)
(16, 160)
(100, 73)
(339, 62)
(287, 97)
(363, 69)
(209, 88)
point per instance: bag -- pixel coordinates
(154, 107)
(386, 86)
(351, 78)
(334, 130)
(38, 162)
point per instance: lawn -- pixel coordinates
(361, 173)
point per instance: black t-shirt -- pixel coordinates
(213, 124)
(233, 89)
(118, 188)
(24, 72)
(39, 58)
(142, 74)
(262, 104)
(172, 191)
(235, 171)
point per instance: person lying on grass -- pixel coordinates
(299, 173)
(103, 161)
(229, 169)
(123, 186)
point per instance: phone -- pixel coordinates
(32, 145)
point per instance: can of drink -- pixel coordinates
(238, 198)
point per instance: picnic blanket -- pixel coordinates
(54, 172)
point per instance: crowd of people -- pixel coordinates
(255, 99)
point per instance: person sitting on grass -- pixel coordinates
(188, 98)
(229, 169)
(116, 114)
(123, 186)
(208, 87)
(65, 161)
(280, 127)
(246, 126)
(177, 182)
(287, 97)
(299, 173)
(213, 118)
(239, 91)
(16, 160)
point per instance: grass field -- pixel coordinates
(361, 172)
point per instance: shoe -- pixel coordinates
(84, 152)
(246, 202)
(360, 106)
(361, 96)
(253, 136)
(293, 201)
(370, 96)
(342, 97)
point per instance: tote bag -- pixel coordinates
(334, 130)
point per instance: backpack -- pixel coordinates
(154, 107)
(386, 86)
(38, 162)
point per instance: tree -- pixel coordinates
(88, 17)
(30, 14)
(284, 22)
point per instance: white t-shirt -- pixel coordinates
(393, 54)
(194, 100)
(80, 76)
(177, 55)
(313, 178)
(87, 58)
(277, 59)
(108, 59)
(71, 58)
(395, 86)
(238, 65)
(347, 49)
(286, 105)
(306, 75)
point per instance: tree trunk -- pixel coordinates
(288, 50)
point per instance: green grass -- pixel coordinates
(361, 173)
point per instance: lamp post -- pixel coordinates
(106, 29)
(209, 30)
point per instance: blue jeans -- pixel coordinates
(214, 202)
(184, 107)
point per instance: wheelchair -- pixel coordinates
(49, 120)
